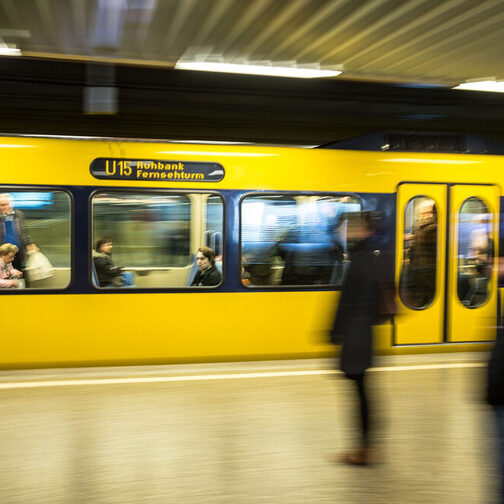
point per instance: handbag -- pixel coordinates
(387, 307)
(38, 267)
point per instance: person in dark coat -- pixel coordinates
(108, 274)
(208, 274)
(495, 397)
(357, 312)
(422, 257)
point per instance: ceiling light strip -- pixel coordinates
(272, 71)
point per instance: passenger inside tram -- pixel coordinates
(475, 254)
(418, 277)
(208, 274)
(13, 229)
(245, 275)
(108, 274)
(481, 247)
(10, 277)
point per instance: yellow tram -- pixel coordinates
(273, 216)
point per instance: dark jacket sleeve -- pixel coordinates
(196, 278)
(359, 296)
(495, 384)
(24, 234)
(208, 278)
(213, 277)
(357, 312)
(105, 270)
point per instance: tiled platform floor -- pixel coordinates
(223, 434)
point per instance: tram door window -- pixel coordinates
(418, 274)
(475, 252)
(472, 280)
(446, 237)
(154, 236)
(289, 240)
(41, 218)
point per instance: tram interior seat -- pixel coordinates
(314, 263)
(472, 288)
(160, 277)
(308, 263)
(130, 274)
(261, 262)
(59, 280)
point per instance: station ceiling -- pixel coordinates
(436, 41)
(399, 60)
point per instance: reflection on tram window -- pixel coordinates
(214, 223)
(155, 236)
(299, 240)
(418, 275)
(475, 252)
(38, 221)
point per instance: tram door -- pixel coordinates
(446, 274)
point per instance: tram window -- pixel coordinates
(418, 275)
(155, 237)
(40, 220)
(475, 252)
(294, 240)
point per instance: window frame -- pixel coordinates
(40, 188)
(160, 192)
(490, 234)
(223, 200)
(293, 194)
(403, 301)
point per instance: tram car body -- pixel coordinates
(275, 218)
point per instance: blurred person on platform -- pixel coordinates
(9, 276)
(207, 274)
(13, 230)
(495, 397)
(357, 312)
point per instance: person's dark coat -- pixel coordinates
(357, 310)
(495, 384)
(423, 252)
(108, 274)
(210, 276)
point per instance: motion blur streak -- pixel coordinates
(229, 376)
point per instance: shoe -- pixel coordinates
(362, 456)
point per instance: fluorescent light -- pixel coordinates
(301, 73)
(9, 146)
(9, 51)
(486, 85)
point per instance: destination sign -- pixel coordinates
(153, 169)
